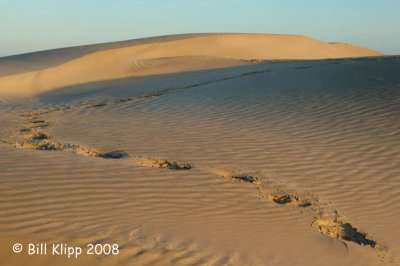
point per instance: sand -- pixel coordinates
(203, 150)
(155, 57)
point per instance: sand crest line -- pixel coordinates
(328, 221)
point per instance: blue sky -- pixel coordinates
(33, 25)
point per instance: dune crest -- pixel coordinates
(168, 55)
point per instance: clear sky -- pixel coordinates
(31, 25)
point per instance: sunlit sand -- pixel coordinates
(203, 149)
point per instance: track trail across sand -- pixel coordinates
(327, 219)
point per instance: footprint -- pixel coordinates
(37, 121)
(25, 129)
(235, 174)
(245, 178)
(37, 145)
(41, 142)
(125, 100)
(41, 125)
(92, 105)
(336, 228)
(162, 163)
(32, 135)
(284, 198)
(331, 225)
(117, 154)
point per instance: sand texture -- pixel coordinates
(203, 149)
(155, 57)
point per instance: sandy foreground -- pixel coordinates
(203, 149)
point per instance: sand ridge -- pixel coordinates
(180, 55)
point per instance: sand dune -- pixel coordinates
(159, 56)
(187, 152)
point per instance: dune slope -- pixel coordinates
(203, 159)
(161, 56)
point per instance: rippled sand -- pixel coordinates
(246, 163)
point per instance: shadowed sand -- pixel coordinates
(199, 150)
(186, 53)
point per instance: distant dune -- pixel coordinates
(43, 71)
